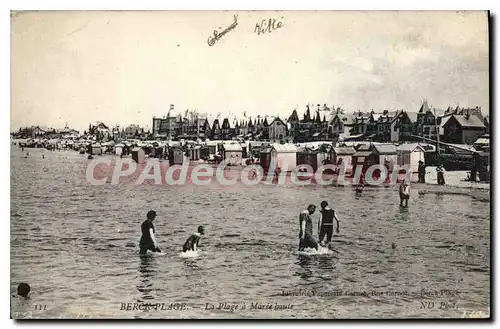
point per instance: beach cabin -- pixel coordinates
(385, 154)
(307, 156)
(212, 147)
(315, 157)
(255, 148)
(148, 149)
(204, 152)
(108, 147)
(244, 150)
(176, 155)
(194, 153)
(138, 155)
(157, 152)
(409, 155)
(361, 159)
(324, 153)
(283, 155)
(127, 149)
(119, 149)
(232, 152)
(339, 155)
(95, 149)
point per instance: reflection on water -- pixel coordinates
(76, 245)
(147, 274)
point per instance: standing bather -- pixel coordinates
(404, 193)
(440, 174)
(421, 172)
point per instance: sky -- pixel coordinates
(126, 67)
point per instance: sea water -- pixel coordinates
(71, 242)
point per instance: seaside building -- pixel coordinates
(426, 122)
(402, 126)
(226, 130)
(327, 124)
(462, 129)
(277, 130)
(340, 124)
(133, 131)
(216, 130)
(383, 133)
(166, 126)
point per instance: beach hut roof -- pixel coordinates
(364, 147)
(284, 148)
(344, 150)
(233, 147)
(410, 147)
(385, 148)
(315, 145)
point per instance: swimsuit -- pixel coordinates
(326, 225)
(146, 242)
(308, 240)
(193, 240)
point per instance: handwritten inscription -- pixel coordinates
(268, 26)
(217, 34)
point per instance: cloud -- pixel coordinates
(125, 67)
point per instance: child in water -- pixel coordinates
(404, 193)
(192, 242)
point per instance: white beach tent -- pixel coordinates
(285, 155)
(410, 154)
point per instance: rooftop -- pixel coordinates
(385, 148)
(344, 150)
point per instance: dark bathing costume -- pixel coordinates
(146, 241)
(403, 196)
(326, 225)
(193, 240)
(308, 240)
